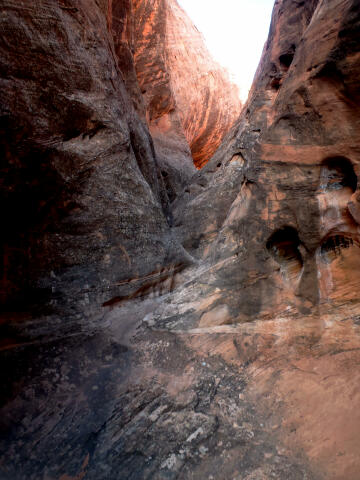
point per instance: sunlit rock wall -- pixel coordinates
(188, 95)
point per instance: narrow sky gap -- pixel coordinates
(235, 32)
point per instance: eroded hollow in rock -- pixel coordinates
(275, 83)
(283, 245)
(332, 246)
(337, 173)
(286, 59)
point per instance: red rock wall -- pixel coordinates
(185, 91)
(244, 364)
(61, 113)
(289, 166)
(82, 194)
(187, 99)
(273, 218)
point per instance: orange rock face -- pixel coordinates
(186, 93)
(186, 98)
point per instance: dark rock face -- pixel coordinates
(84, 202)
(226, 346)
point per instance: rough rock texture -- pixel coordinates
(240, 365)
(279, 199)
(84, 205)
(273, 219)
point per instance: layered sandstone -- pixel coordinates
(68, 125)
(239, 362)
(192, 96)
(273, 219)
(186, 97)
(296, 144)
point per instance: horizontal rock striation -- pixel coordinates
(273, 220)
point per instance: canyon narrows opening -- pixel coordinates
(180, 271)
(235, 34)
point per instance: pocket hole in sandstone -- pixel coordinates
(237, 160)
(286, 59)
(283, 246)
(332, 246)
(275, 83)
(337, 173)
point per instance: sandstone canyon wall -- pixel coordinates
(82, 194)
(85, 195)
(294, 154)
(213, 336)
(185, 96)
(190, 101)
(273, 220)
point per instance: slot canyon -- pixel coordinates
(180, 272)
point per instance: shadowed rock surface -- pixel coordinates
(84, 204)
(225, 346)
